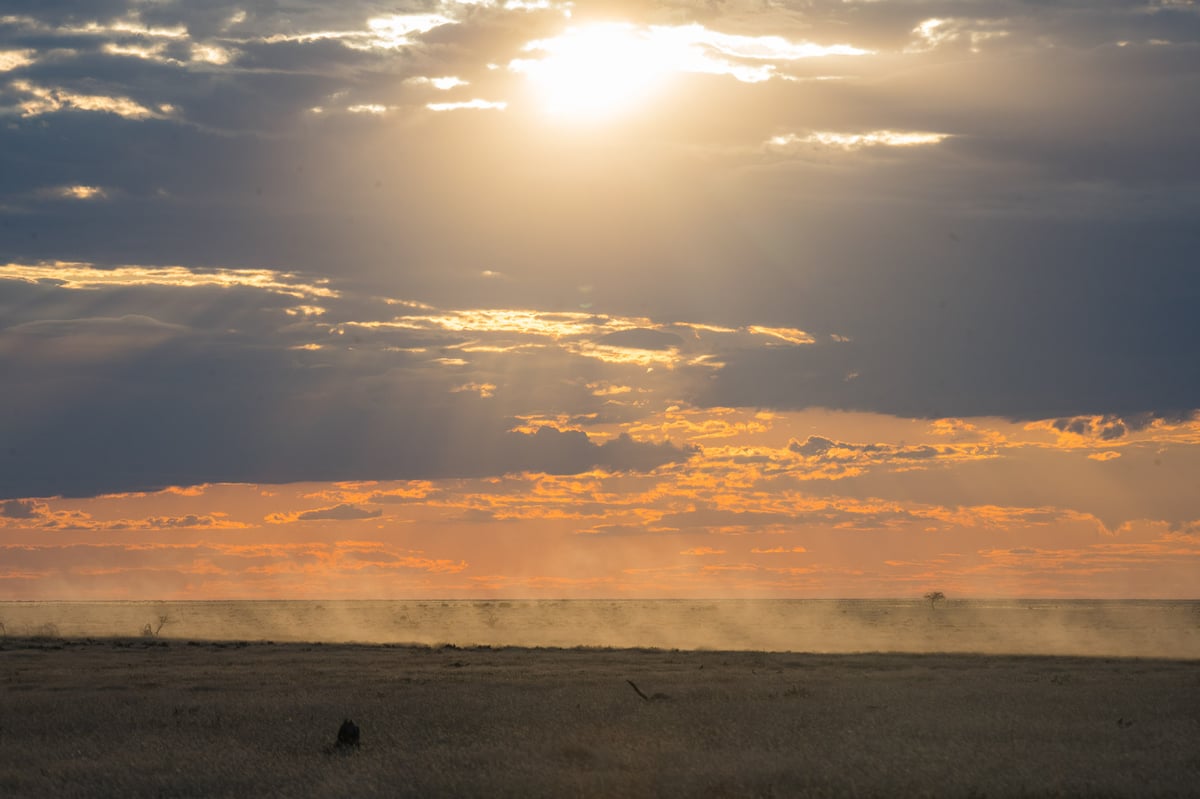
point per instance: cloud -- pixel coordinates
(790, 142)
(568, 452)
(475, 104)
(38, 100)
(15, 59)
(40, 516)
(970, 33)
(702, 551)
(224, 421)
(956, 377)
(1144, 483)
(19, 509)
(190, 520)
(868, 207)
(344, 512)
(274, 350)
(77, 192)
(1090, 430)
(642, 339)
(826, 459)
(813, 446)
(85, 276)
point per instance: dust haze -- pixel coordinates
(1160, 629)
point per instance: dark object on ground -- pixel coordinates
(347, 735)
(655, 698)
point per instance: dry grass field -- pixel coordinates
(167, 718)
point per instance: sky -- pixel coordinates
(493, 298)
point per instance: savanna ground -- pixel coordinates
(160, 717)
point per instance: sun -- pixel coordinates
(597, 71)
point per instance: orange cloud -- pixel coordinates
(32, 514)
(702, 551)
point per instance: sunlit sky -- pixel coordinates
(831, 298)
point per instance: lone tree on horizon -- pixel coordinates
(935, 597)
(152, 632)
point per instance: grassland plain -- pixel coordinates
(164, 718)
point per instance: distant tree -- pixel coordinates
(152, 632)
(3, 630)
(935, 597)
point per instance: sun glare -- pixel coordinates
(596, 71)
(600, 70)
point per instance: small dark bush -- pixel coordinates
(348, 735)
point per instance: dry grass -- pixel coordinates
(145, 717)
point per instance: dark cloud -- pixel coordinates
(190, 520)
(19, 509)
(569, 452)
(1111, 427)
(827, 450)
(220, 387)
(343, 512)
(975, 339)
(819, 446)
(191, 411)
(813, 445)
(643, 339)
